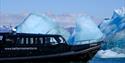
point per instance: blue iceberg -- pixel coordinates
(86, 31)
(114, 30)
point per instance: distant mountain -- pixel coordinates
(64, 20)
(11, 19)
(6, 28)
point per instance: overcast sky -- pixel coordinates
(96, 8)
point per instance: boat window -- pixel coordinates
(1, 37)
(47, 40)
(50, 41)
(27, 41)
(53, 41)
(41, 40)
(61, 40)
(31, 40)
(9, 40)
(22, 40)
(18, 41)
(36, 40)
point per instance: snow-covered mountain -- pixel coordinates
(11, 19)
(114, 30)
(6, 28)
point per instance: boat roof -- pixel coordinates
(29, 34)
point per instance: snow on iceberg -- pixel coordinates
(41, 25)
(115, 24)
(119, 12)
(110, 54)
(86, 31)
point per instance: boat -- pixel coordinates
(41, 47)
(43, 40)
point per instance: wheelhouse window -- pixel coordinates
(61, 40)
(51, 41)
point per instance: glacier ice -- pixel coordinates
(41, 24)
(86, 31)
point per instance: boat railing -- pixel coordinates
(91, 42)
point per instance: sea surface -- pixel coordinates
(107, 60)
(98, 60)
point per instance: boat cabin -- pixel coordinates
(23, 39)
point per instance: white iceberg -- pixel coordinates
(41, 24)
(110, 54)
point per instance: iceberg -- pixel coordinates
(115, 24)
(114, 30)
(86, 31)
(41, 24)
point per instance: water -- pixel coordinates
(98, 60)
(107, 60)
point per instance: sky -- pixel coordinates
(96, 8)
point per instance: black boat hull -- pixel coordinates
(43, 48)
(82, 55)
